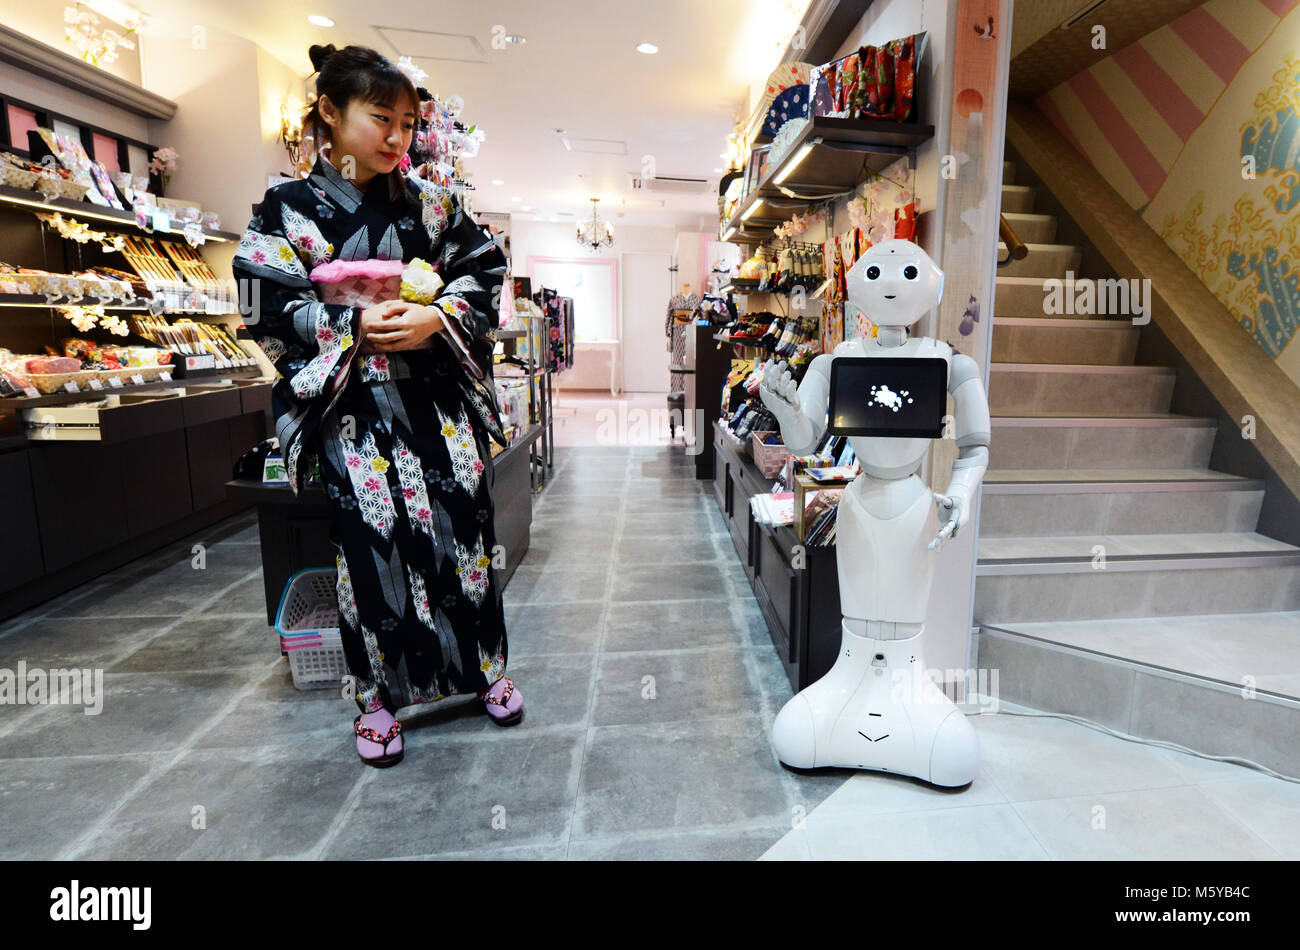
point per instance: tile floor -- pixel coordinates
(651, 687)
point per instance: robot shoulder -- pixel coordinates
(960, 369)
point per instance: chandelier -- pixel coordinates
(595, 234)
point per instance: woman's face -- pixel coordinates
(375, 136)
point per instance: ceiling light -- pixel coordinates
(497, 181)
(648, 48)
(515, 39)
(317, 20)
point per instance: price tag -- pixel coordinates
(115, 382)
(137, 378)
(166, 377)
(161, 222)
(71, 386)
(96, 384)
(31, 391)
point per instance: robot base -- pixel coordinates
(875, 709)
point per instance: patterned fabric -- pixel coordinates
(402, 439)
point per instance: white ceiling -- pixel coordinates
(578, 71)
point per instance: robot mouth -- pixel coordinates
(890, 296)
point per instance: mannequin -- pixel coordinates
(875, 709)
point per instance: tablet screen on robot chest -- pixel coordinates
(898, 397)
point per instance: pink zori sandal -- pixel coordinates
(384, 758)
(504, 703)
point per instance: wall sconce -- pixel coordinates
(291, 129)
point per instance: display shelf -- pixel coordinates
(511, 334)
(60, 399)
(33, 201)
(828, 157)
(112, 303)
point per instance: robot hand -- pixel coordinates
(952, 509)
(779, 391)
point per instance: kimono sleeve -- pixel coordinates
(311, 343)
(474, 269)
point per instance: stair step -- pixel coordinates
(1083, 479)
(1008, 173)
(1020, 294)
(1134, 586)
(1180, 681)
(1070, 341)
(1019, 198)
(1039, 228)
(1106, 505)
(1035, 388)
(1042, 261)
(1130, 441)
(1080, 547)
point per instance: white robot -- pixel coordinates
(875, 708)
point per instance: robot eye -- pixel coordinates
(873, 272)
(910, 272)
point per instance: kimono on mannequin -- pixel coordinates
(402, 438)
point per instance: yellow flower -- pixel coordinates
(485, 666)
(346, 341)
(464, 445)
(484, 560)
(285, 253)
(379, 465)
(448, 429)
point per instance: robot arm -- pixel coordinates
(801, 410)
(972, 430)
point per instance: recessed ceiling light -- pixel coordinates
(516, 198)
(648, 48)
(497, 181)
(516, 39)
(317, 20)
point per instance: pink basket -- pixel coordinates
(770, 459)
(358, 283)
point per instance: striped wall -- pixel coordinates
(1170, 120)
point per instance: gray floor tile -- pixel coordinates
(205, 645)
(81, 642)
(666, 687)
(678, 776)
(256, 804)
(49, 804)
(669, 582)
(681, 624)
(141, 712)
(746, 844)
(446, 796)
(533, 629)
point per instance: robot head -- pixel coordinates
(895, 283)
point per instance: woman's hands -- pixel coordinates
(393, 325)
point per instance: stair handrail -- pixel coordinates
(1017, 250)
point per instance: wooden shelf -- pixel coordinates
(113, 303)
(59, 399)
(29, 200)
(838, 151)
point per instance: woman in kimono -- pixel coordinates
(394, 401)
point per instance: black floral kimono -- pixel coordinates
(402, 438)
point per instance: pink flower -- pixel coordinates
(425, 603)
(258, 257)
(478, 466)
(354, 460)
(381, 362)
(306, 241)
(423, 515)
(408, 493)
(324, 334)
(372, 483)
(476, 575)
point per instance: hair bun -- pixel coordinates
(318, 54)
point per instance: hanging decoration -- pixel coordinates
(85, 319)
(799, 224)
(82, 233)
(96, 46)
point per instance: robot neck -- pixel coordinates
(891, 336)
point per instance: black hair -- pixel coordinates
(355, 72)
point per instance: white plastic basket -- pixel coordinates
(307, 622)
